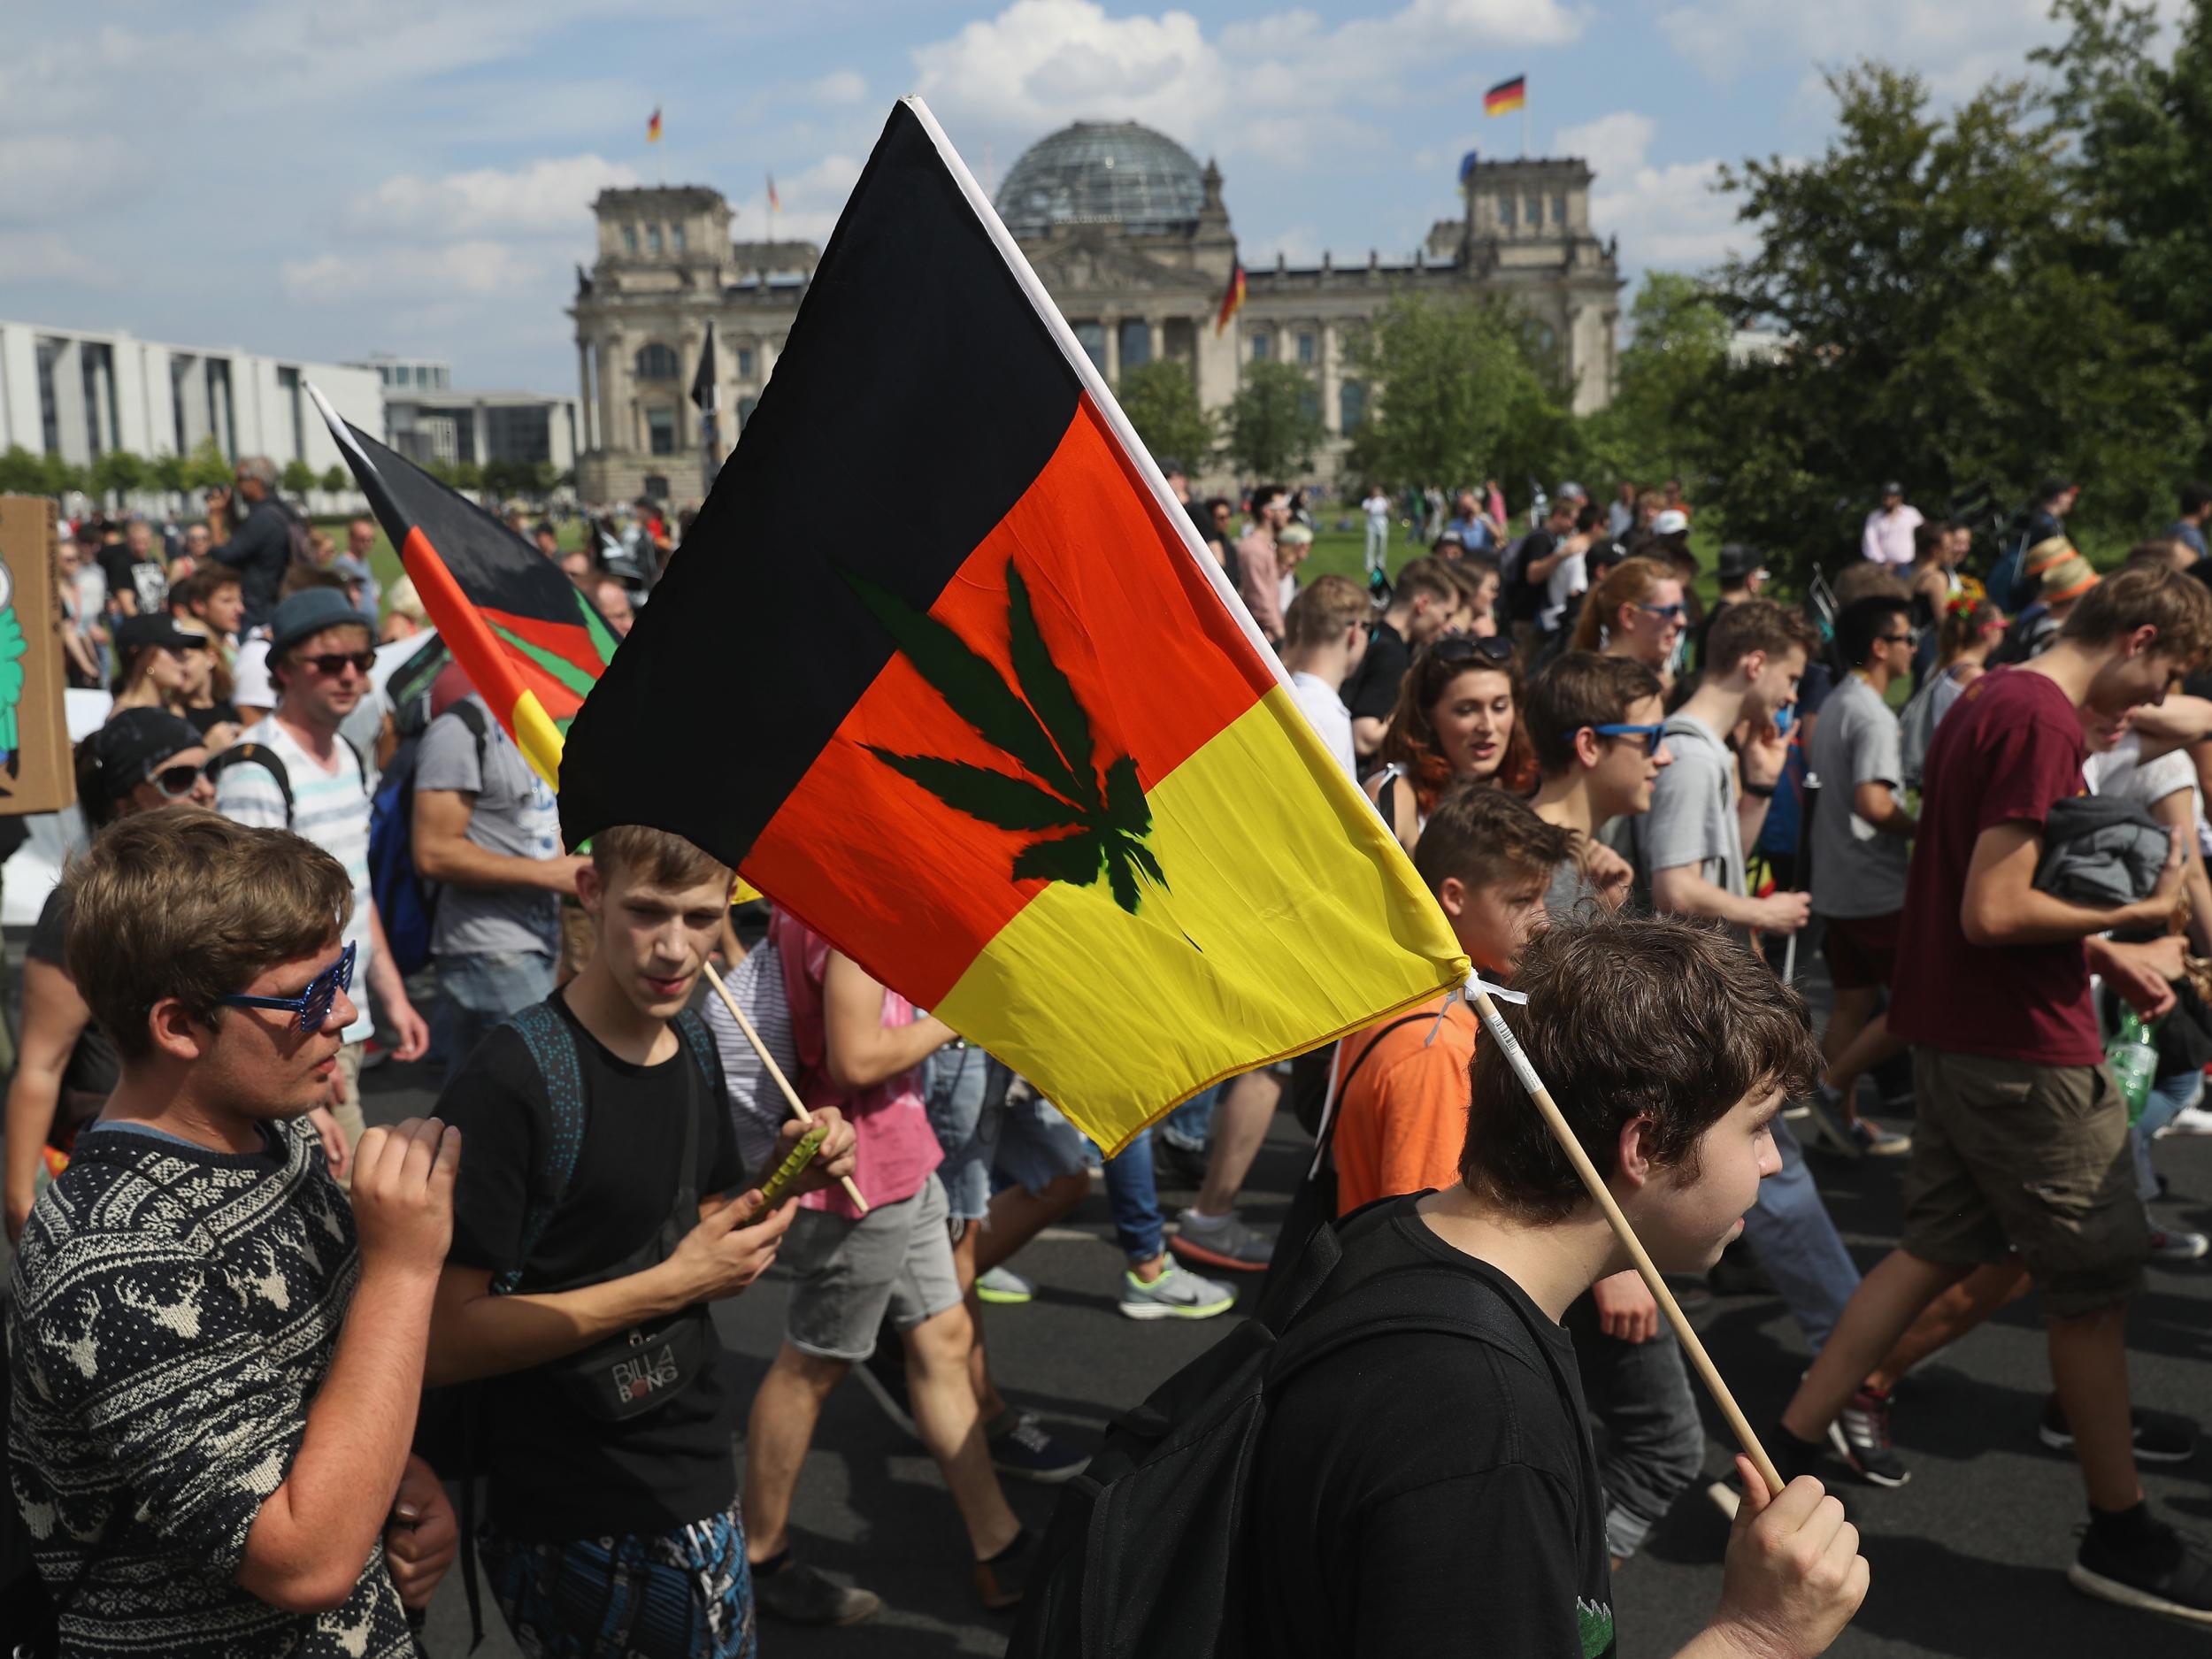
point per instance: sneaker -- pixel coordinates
(2160, 1437)
(1025, 1451)
(1175, 1295)
(1831, 1130)
(2156, 1571)
(1226, 1242)
(1878, 1142)
(1000, 1581)
(2190, 1120)
(883, 1375)
(1795, 1112)
(798, 1594)
(1861, 1437)
(1005, 1288)
(2177, 1244)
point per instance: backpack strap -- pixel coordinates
(553, 1050)
(1405, 1300)
(252, 754)
(700, 1041)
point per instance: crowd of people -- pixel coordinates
(274, 1369)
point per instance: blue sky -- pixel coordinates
(326, 178)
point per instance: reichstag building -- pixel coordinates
(1130, 237)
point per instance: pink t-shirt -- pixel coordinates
(896, 1148)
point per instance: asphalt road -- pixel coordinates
(1968, 1560)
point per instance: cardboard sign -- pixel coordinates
(35, 771)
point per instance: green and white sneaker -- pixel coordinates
(1005, 1288)
(1175, 1295)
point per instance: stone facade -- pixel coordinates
(1138, 275)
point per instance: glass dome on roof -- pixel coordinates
(1102, 173)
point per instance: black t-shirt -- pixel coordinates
(1431, 1493)
(1525, 598)
(205, 720)
(1371, 692)
(556, 1474)
(141, 576)
(93, 1070)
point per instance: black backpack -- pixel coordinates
(250, 753)
(1145, 1555)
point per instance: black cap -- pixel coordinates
(2053, 485)
(1735, 561)
(135, 633)
(1893, 489)
(134, 743)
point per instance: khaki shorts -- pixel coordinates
(346, 1106)
(2010, 1154)
(896, 1260)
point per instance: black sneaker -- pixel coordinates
(1861, 1437)
(1023, 1449)
(2155, 1570)
(1000, 1581)
(2160, 1436)
(798, 1594)
(883, 1374)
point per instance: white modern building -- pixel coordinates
(481, 426)
(421, 374)
(80, 393)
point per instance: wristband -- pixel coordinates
(1759, 791)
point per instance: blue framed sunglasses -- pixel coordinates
(1650, 734)
(312, 1005)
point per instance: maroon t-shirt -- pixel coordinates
(2008, 751)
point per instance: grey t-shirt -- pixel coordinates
(1857, 871)
(513, 813)
(1571, 891)
(1693, 815)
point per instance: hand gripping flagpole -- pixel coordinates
(798, 1107)
(1478, 998)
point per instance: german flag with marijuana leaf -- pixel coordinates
(995, 724)
(530, 642)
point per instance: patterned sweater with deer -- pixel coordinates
(175, 1311)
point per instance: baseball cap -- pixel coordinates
(1893, 489)
(134, 743)
(136, 633)
(1735, 562)
(307, 613)
(1671, 522)
(1570, 492)
(1296, 534)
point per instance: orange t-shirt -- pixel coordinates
(1402, 1124)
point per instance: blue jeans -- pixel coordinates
(1795, 1241)
(1191, 1124)
(477, 993)
(2167, 1101)
(1654, 1441)
(1133, 1199)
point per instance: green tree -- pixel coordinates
(1678, 341)
(1948, 320)
(545, 478)
(1160, 400)
(1454, 394)
(337, 480)
(298, 478)
(467, 475)
(117, 473)
(64, 478)
(21, 472)
(1272, 427)
(206, 468)
(169, 474)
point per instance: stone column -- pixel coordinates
(1158, 331)
(1111, 324)
(1332, 382)
(616, 431)
(583, 395)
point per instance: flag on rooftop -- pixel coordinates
(773, 204)
(1506, 97)
(1232, 298)
(1467, 164)
(703, 379)
(653, 126)
(527, 637)
(1028, 763)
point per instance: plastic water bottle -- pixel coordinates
(2134, 1062)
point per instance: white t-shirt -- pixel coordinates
(1325, 709)
(330, 809)
(1568, 578)
(1376, 507)
(251, 686)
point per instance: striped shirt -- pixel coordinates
(329, 807)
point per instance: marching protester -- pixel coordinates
(258, 542)
(1325, 635)
(2019, 1146)
(1636, 611)
(197, 1499)
(1421, 605)
(1385, 1467)
(295, 772)
(1455, 718)
(580, 1289)
(1741, 574)
(1596, 726)
(1259, 568)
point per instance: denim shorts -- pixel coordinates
(896, 1260)
(995, 1131)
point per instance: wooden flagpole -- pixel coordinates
(798, 1107)
(1501, 1034)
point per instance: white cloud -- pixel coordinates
(1957, 47)
(45, 256)
(49, 175)
(1667, 216)
(838, 88)
(551, 197)
(479, 268)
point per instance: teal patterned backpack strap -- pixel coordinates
(553, 1047)
(700, 1042)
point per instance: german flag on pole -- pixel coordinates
(1506, 97)
(1232, 298)
(530, 642)
(1027, 761)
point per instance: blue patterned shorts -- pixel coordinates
(684, 1594)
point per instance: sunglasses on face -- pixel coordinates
(1467, 648)
(330, 665)
(1897, 639)
(1650, 734)
(1674, 612)
(176, 782)
(312, 1005)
